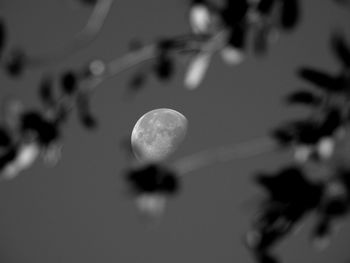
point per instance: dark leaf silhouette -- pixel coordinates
(45, 131)
(322, 228)
(332, 121)
(16, 63)
(234, 11)
(69, 82)
(84, 112)
(265, 6)
(289, 13)
(164, 67)
(88, 2)
(5, 139)
(8, 157)
(153, 179)
(46, 92)
(320, 79)
(341, 49)
(237, 37)
(2, 35)
(281, 187)
(304, 97)
(137, 81)
(283, 136)
(265, 257)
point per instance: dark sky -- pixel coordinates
(78, 211)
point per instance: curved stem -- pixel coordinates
(81, 40)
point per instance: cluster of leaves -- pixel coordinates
(291, 195)
(25, 133)
(151, 185)
(207, 20)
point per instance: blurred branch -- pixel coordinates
(81, 40)
(209, 157)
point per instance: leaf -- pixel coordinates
(283, 135)
(45, 92)
(237, 37)
(16, 62)
(69, 82)
(164, 67)
(152, 179)
(265, 6)
(304, 97)
(289, 13)
(5, 139)
(2, 35)
(341, 49)
(46, 131)
(332, 121)
(84, 113)
(320, 79)
(138, 81)
(88, 2)
(197, 69)
(234, 12)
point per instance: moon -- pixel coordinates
(157, 134)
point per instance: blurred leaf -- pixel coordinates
(8, 156)
(305, 97)
(2, 35)
(164, 67)
(283, 135)
(289, 14)
(234, 11)
(89, 2)
(138, 81)
(282, 187)
(237, 37)
(5, 139)
(341, 49)
(16, 62)
(69, 83)
(265, 6)
(320, 79)
(84, 112)
(266, 258)
(332, 121)
(153, 179)
(33, 121)
(45, 91)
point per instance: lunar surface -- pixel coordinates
(157, 134)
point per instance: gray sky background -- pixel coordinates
(78, 210)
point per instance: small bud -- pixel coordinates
(232, 56)
(197, 70)
(200, 18)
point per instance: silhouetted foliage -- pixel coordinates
(289, 14)
(320, 79)
(46, 93)
(153, 178)
(15, 63)
(341, 49)
(304, 97)
(69, 82)
(2, 35)
(45, 131)
(84, 112)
